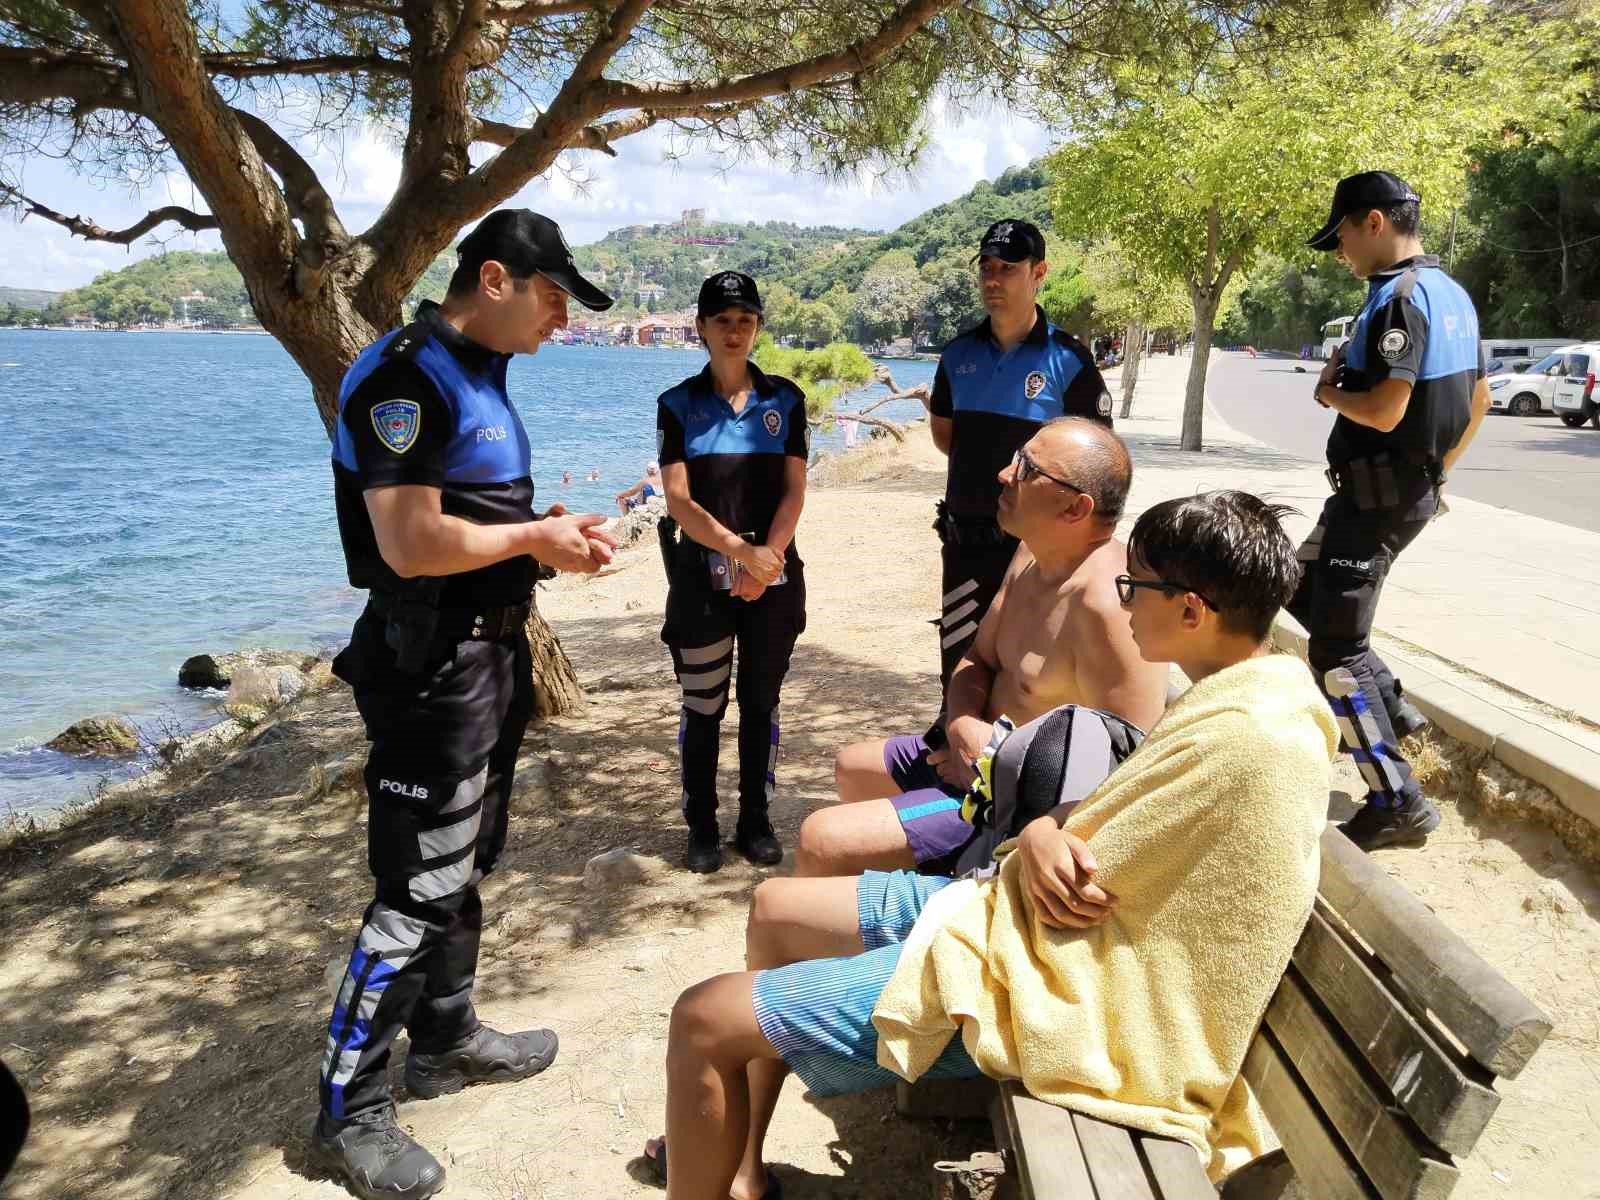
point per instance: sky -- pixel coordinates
(646, 183)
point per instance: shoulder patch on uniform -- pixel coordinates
(772, 420)
(407, 342)
(1033, 384)
(1103, 405)
(397, 423)
(1394, 343)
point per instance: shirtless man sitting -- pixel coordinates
(1054, 635)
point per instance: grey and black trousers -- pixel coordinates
(438, 776)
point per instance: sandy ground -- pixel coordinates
(162, 963)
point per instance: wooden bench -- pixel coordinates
(1375, 1064)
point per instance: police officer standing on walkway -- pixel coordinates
(434, 493)
(1410, 393)
(732, 445)
(997, 383)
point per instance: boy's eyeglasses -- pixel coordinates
(1127, 585)
(1026, 469)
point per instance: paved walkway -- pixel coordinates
(1504, 606)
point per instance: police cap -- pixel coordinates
(528, 242)
(725, 290)
(1011, 240)
(1360, 194)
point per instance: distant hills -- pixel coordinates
(29, 298)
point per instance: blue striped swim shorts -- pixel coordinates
(818, 1013)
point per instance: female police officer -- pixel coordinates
(732, 445)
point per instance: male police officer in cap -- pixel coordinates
(1410, 393)
(435, 501)
(997, 383)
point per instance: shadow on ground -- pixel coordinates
(163, 964)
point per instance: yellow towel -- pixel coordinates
(1208, 836)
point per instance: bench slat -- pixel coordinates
(1319, 1160)
(1113, 1162)
(1397, 1160)
(1448, 1104)
(1179, 1173)
(1054, 1170)
(1498, 1025)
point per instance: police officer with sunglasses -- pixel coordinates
(1409, 392)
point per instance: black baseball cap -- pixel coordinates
(1011, 240)
(1360, 194)
(728, 289)
(528, 242)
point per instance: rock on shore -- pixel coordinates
(107, 736)
(217, 670)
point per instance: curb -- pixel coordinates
(1571, 772)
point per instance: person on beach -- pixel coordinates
(995, 385)
(1410, 391)
(641, 492)
(433, 482)
(1178, 889)
(1054, 635)
(733, 444)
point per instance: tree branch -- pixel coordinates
(308, 200)
(853, 59)
(29, 76)
(593, 137)
(87, 229)
(537, 10)
(253, 66)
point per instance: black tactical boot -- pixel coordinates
(1374, 826)
(757, 842)
(705, 850)
(374, 1157)
(485, 1057)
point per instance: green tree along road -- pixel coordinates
(1200, 183)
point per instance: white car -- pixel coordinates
(1574, 397)
(1530, 392)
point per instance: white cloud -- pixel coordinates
(645, 183)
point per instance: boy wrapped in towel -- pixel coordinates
(1119, 959)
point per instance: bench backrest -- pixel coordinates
(1377, 1057)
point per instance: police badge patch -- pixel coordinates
(397, 423)
(1393, 344)
(1033, 384)
(772, 421)
(1103, 405)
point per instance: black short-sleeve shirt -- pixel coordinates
(425, 405)
(997, 399)
(736, 462)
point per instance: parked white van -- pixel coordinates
(1529, 392)
(1574, 396)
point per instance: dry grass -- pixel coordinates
(873, 459)
(1473, 779)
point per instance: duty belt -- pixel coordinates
(960, 530)
(465, 624)
(1383, 480)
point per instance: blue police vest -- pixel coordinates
(488, 443)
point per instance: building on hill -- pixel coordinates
(646, 292)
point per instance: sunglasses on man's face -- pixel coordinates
(1127, 585)
(1026, 469)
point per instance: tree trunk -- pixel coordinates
(1194, 396)
(1133, 355)
(555, 684)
